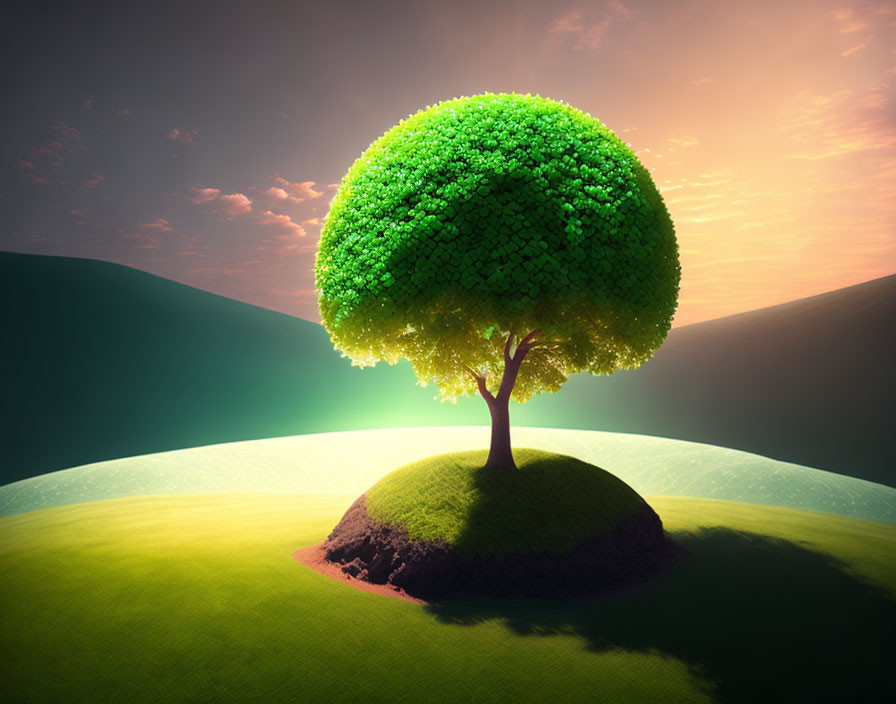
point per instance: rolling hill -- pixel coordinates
(102, 361)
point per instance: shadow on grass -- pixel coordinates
(759, 619)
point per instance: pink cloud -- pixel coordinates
(857, 47)
(277, 193)
(297, 192)
(290, 239)
(51, 147)
(26, 164)
(235, 204)
(192, 248)
(570, 21)
(157, 225)
(143, 241)
(91, 182)
(589, 35)
(183, 136)
(65, 130)
(317, 222)
(231, 203)
(36, 178)
(282, 222)
(620, 10)
(333, 186)
(204, 195)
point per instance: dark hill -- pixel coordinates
(103, 361)
(811, 382)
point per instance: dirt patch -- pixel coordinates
(315, 557)
(362, 550)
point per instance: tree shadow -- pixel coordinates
(757, 618)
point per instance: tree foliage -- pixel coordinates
(492, 214)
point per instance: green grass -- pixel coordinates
(546, 506)
(349, 463)
(197, 598)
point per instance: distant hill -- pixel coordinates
(102, 361)
(811, 382)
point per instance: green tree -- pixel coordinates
(493, 230)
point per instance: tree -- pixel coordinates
(493, 230)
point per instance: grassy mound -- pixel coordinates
(546, 507)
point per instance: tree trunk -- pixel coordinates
(500, 455)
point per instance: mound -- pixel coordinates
(446, 524)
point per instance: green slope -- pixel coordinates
(103, 361)
(549, 504)
(351, 462)
(197, 598)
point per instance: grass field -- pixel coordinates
(350, 462)
(197, 598)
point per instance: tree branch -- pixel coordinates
(507, 345)
(480, 382)
(525, 345)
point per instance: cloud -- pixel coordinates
(192, 248)
(97, 178)
(65, 130)
(840, 123)
(142, 241)
(235, 204)
(277, 193)
(230, 204)
(282, 222)
(586, 36)
(570, 21)
(702, 81)
(857, 47)
(295, 192)
(157, 225)
(183, 136)
(589, 35)
(291, 239)
(50, 148)
(204, 195)
(316, 222)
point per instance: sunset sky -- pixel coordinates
(203, 141)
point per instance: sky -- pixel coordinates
(204, 141)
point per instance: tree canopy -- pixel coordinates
(495, 214)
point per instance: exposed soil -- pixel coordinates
(315, 557)
(363, 551)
